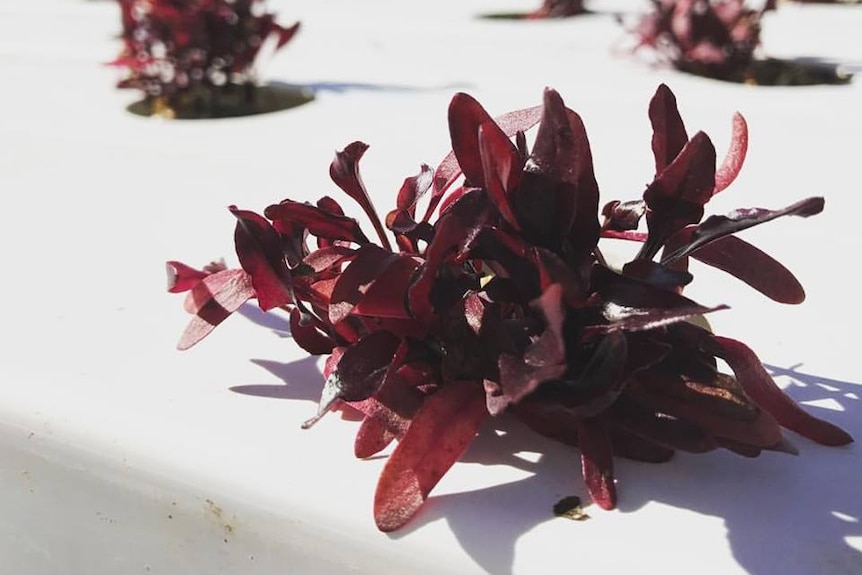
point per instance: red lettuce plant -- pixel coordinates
(559, 9)
(180, 52)
(505, 302)
(715, 38)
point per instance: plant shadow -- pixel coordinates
(782, 514)
(519, 505)
(271, 320)
(273, 96)
(301, 380)
(532, 16)
(344, 87)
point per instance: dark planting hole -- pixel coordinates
(229, 101)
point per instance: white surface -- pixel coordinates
(121, 455)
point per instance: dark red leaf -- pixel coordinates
(597, 462)
(502, 166)
(626, 235)
(331, 362)
(445, 175)
(360, 371)
(328, 204)
(518, 380)
(669, 135)
(439, 434)
(588, 393)
(742, 449)
(449, 169)
(391, 408)
(553, 270)
(307, 336)
(182, 278)
(402, 218)
(386, 297)
(562, 153)
(361, 368)
(549, 419)
(631, 446)
(754, 267)
(560, 150)
(623, 216)
(258, 246)
(330, 257)
(614, 363)
(550, 347)
(658, 274)
(293, 235)
(319, 222)
(715, 227)
(721, 408)
(344, 171)
(643, 319)
(466, 116)
(677, 195)
(456, 195)
(394, 405)
(634, 293)
(643, 420)
(355, 281)
(212, 300)
(759, 385)
(604, 372)
(413, 188)
(456, 228)
(372, 437)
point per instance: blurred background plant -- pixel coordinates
(717, 39)
(559, 9)
(196, 58)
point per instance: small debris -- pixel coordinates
(570, 508)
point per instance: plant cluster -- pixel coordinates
(504, 302)
(715, 38)
(176, 48)
(558, 9)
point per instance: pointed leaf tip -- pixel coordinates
(730, 168)
(212, 301)
(466, 115)
(597, 462)
(669, 135)
(760, 386)
(261, 254)
(344, 171)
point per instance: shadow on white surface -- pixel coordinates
(270, 320)
(343, 87)
(302, 380)
(768, 505)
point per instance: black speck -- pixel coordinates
(570, 508)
